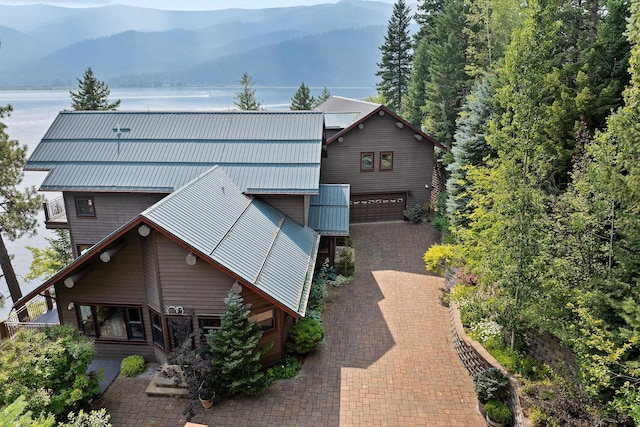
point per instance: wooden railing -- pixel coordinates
(54, 210)
(33, 309)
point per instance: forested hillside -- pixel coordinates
(538, 103)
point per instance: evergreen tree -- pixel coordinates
(235, 356)
(92, 94)
(49, 260)
(413, 103)
(425, 16)
(395, 68)
(447, 84)
(18, 209)
(469, 148)
(246, 98)
(323, 97)
(302, 99)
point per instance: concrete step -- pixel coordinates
(162, 385)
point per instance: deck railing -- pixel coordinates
(38, 306)
(54, 210)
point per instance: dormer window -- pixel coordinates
(85, 206)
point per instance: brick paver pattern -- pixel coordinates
(388, 359)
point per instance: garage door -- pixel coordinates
(377, 207)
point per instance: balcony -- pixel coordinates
(55, 215)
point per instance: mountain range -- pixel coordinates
(330, 45)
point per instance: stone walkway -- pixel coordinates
(388, 359)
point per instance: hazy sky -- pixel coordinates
(179, 4)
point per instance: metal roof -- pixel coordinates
(338, 104)
(250, 238)
(269, 152)
(329, 210)
(339, 120)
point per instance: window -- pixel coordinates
(208, 324)
(265, 319)
(367, 161)
(108, 322)
(386, 160)
(156, 329)
(85, 207)
(82, 249)
(179, 330)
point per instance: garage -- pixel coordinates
(373, 207)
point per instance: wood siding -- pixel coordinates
(276, 335)
(112, 211)
(412, 161)
(119, 282)
(151, 272)
(293, 206)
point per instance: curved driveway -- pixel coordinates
(388, 359)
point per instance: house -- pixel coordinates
(168, 211)
(387, 162)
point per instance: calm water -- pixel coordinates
(35, 110)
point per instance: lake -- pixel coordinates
(35, 110)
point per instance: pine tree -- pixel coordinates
(235, 352)
(413, 103)
(18, 209)
(92, 94)
(246, 98)
(302, 99)
(469, 148)
(395, 68)
(447, 84)
(323, 97)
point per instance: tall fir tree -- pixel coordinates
(302, 99)
(18, 208)
(235, 351)
(448, 83)
(395, 68)
(324, 95)
(246, 98)
(413, 103)
(470, 148)
(92, 94)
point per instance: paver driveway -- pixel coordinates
(388, 358)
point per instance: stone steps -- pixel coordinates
(162, 385)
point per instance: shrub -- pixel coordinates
(14, 415)
(498, 411)
(305, 336)
(317, 294)
(288, 368)
(345, 265)
(414, 214)
(439, 258)
(132, 366)
(491, 384)
(49, 368)
(340, 280)
(98, 418)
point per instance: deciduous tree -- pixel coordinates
(49, 260)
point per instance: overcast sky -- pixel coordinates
(179, 4)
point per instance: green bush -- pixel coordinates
(414, 214)
(345, 265)
(288, 368)
(317, 294)
(305, 336)
(49, 368)
(14, 415)
(491, 384)
(498, 411)
(132, 366)
(98, 418)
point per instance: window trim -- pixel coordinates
(254, 318)
(373, 161)
(93, 308)
(382, 154)
(91, 203)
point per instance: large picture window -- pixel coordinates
(85, 206)
(110, 322)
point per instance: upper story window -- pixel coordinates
(265, 319)
(85, 206)
(367, 160)
(386, 161)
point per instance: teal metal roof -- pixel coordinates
(329, 210)
(268, 152)
(250, 238)
(339, 120)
